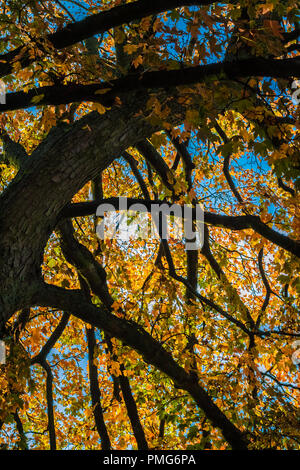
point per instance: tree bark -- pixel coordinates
(63, 163)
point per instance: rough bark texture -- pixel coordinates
(69, 158)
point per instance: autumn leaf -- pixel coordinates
(37, 99)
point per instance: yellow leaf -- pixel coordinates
(37, 99)
(130, 48)
(102, 91)
(137, 61)
(99, 107)
(116, 305)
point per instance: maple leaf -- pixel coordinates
(138, 61)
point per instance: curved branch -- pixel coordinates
(42, 355)
(238, 222)
(95, 278)
(41, 359)
(183, 152)
(267, 287)
(157, 162)
(131, 334)
(92, 25)
(132, 411)
(195, 293)
(226, 164)
(49, 397)
(133, 165)
(165, 79)
(20, 429)
(95, 392)
(285, 187)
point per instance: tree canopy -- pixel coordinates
(143, 343)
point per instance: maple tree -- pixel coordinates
(146, 345)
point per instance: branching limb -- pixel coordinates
(204, 300)
(157, 162)
(83, 260)
(93, 276)
(153, 353)
(93, 378)
(206, 251)
(226, 164)
(183, 152)
(285, 187)
(95, 392)
(44, 352)
(23, 439)
(267, 287)
(240, 222)
(165, 80)
(133, 165)
(49, 397)
(92, 25)
(41, 359)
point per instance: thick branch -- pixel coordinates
(267, 287)
(132, 412)
(122, 382)
(95, 392)
(183, 152)
(165, 79)
(31, 203)
(50, 406)
(153, 353)
(133, 165)
(93, 275)
(83, 260)
(239, 222)
(41, 358)
(42, 355)
(49, 397)
(285, 187)
(94, 24)
(157, 162)
(226, 164)
(19, 425)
